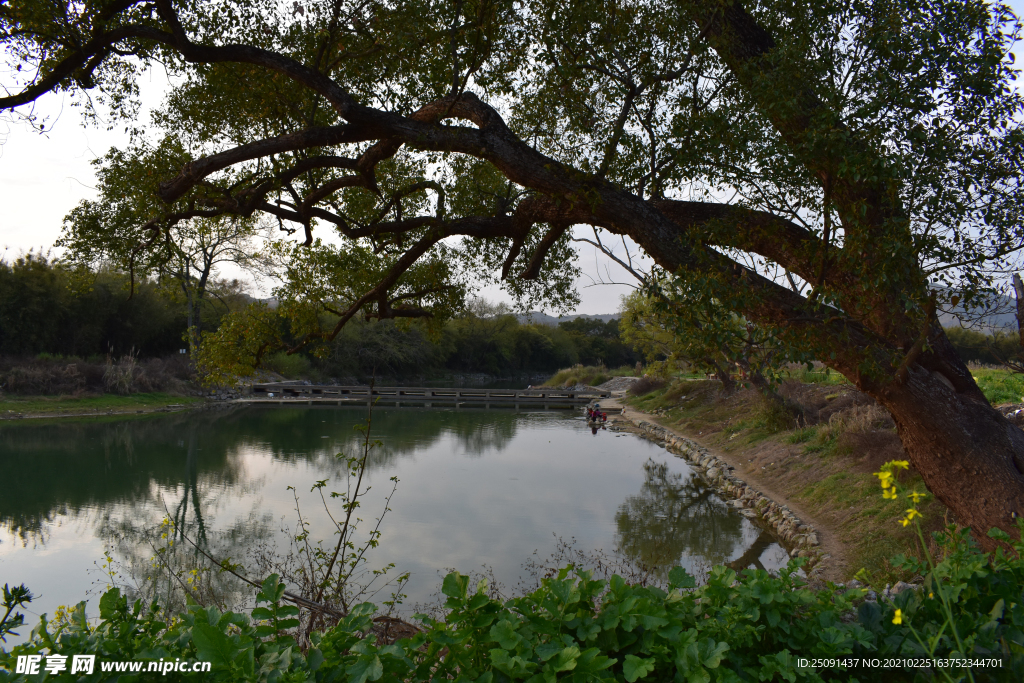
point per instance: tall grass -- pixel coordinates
(591, 375)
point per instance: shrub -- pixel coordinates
(294, 366)
(646, 385)
(590, 375)
(773, 416)
(861, 418)
(43, 378)
(51, 375)
(119, 377)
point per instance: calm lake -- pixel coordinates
(476, 489)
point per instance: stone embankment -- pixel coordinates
(799, 539)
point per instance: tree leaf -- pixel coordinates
(634, 668)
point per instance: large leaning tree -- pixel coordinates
(865, 150)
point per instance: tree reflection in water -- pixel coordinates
(672, 518)
(751, 557)
(157, 547)
(76, 467)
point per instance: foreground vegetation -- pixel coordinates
(748, 627)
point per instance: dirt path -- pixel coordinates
(835, 568)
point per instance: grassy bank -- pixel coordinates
(998, 385)
(823, 463)
(24, 406)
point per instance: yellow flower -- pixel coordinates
(884, 478)
(911, 513)
(931, 595)
(898, 617)
(901, 464)
(917, 497)
(889, 494)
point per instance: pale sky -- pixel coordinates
(44, 175)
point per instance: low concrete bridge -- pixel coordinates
(318, 394)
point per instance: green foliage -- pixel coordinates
(600, 343)
(57, 308)
(51, 307)
(121, 229)
(747, 627)
(501, 345)
(979, 347)
(772, 416)
(802, 435)
(676, 323)
(14, 598)
(495, 344)
(295, 365)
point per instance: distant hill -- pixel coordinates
(998, 315)
(541, 318)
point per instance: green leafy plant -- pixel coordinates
(751, 626)
(951, 627)
(16, 597)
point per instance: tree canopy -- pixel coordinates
(811, 167)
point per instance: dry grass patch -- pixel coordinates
(590, 375)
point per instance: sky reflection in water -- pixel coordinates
(477, 489)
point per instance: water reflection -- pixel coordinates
(674, 516)
(751, 557)
(477, 488)
(64, 467)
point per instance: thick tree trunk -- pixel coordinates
(970, 456)
(728, 384)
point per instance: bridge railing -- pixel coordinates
(287, 389)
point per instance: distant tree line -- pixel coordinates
(51, 307)
(497, 345)
(994, 349)
(55, 308)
